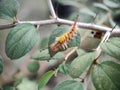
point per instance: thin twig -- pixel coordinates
(88, 26)
(105, 38)
(56, 20)
(69, 54)
(66, 58)
(98, 50)
(52, 9)
(8, 26)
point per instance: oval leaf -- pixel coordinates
(112, 47)
(33, 66)
(69, 85)
(1, 65)
(8, 8)
(80, 64)
(106, 76)
(21, 40)
(45, 78)
(57, 33)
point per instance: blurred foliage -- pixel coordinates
(1, 65)
(112, 48)
(69, 84)
(107, 71)
(27, 84)
(22, 38)
(33, 66)
(9, 10)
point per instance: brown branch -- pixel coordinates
(8, 26)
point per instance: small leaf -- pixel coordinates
(87, 11)
(80, 64)
(112, 47)
(64, 68)
(106, 76)
(69, 85)
(58, 55)
(1, 65)
(41, 55)
(44, 55)
(45, 78)
(101, 6)
(8, 8)
(20, 40)
(112, 3)
(26, 84)
(57, 33)
(33, 66)
(44, 42)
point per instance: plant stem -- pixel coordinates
(52, 9)
(87, 26)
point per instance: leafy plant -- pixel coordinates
(70, 59)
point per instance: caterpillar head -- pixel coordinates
(53, 48)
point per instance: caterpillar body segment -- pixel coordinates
(63, 40)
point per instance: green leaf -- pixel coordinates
(45, 78)
(112, 47)
(69, 85)
(106, 76)
(20, 40)
(64, 68)
(80, 52)
(41, 55)
(7, 87)
(87, 11)
(86, 16)
(44, 55)
(8, 8)
(1, 65)
(80, 64)
(44, 42)
(101, 6)
(112, 3)
(57, 33)
(33, 66)
(26, 84)
(58, 56)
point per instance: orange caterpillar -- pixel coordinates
(64, 39)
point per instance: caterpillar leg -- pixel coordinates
(65, 44)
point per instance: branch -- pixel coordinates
(2, 27)
(56, 20)
(52, 9)
(88, 26)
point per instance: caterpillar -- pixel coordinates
(64, 39)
